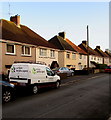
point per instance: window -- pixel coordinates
(26, 50)
(52, 53)
(73, 56)
(80, 56)
(42, 52)
(73, 66)
(94, 58)
(10, 49)
(84, 57)
(68, 55)
(84, 66)
(49, 72)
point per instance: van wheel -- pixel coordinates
(57, 84)
(34, 89)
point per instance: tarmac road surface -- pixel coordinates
(79, 97)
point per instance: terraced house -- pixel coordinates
(108, 52)
(69, 55)
(20, 43)
(94, 57)
(81, 56)
(105, 57)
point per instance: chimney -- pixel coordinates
(84, 42)
(15, 19)
(98, 47)
(62, 34)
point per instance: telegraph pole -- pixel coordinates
(88, 48)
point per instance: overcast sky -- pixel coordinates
(49, 18)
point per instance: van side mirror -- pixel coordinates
(53, 73)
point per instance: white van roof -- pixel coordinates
(29, 64)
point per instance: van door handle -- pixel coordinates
(46, 76)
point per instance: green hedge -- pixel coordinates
(101, 66)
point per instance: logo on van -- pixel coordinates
(13, 69)
(33, 70)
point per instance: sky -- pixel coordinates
(49, 18)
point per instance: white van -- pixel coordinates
(34, 75)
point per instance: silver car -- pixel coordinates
(64, 70)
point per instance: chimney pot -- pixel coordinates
(98, 47)
(15, 19)
(62, 34)
(84, 42)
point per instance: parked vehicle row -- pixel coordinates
(108, 69)
(66, 70)
(31, 76)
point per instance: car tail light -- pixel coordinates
(58, 71)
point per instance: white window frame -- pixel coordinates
(8, 53)
(80, 56)
(52, 53)
(73, 56)
(68, 53)
(24, 47)
(42, 53)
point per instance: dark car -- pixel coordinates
(8, 91)
(66, 70)
(108, 69)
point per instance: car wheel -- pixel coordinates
(72, 74)
(57, 84)
(7, 96)
(34, 89)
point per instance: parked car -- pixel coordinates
(66, 70)
(108, 69)
(33, 76)
(8, 91)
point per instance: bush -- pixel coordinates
(101, 66)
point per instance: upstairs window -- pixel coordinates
(26, 50)
(68, 55)
(73, 56)
(80, 56)
(94, 58)
(52, 53)
(43, 52)
(10, 49)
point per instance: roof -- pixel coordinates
(22, 34)
(91, 51)
(76, 48)
(108, 53)
(103, 54)
(61, 44)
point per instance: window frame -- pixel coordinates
(52, 53)
(23, 53)
(80, 56)
(41, 52)
(9, 53)
(68, 53)
(73, 56)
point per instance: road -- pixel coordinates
(79, 97)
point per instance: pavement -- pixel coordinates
(77, 78)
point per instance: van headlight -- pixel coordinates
(12, 84)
